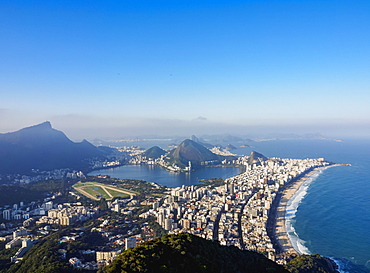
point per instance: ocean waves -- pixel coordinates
(332, 218)
(348, 266)
(332, 215)
(292, 207)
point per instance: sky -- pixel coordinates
(100, 69)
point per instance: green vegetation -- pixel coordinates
(103, 204)
(14, 194)
(46, 255)
(34, 191)
(119, 194)
(188, 253)
(158, 194)
(5, 255)
(140, 188)
(88, 240)
(43, 257)
(102, 192)
(213, 182)
(95, 190)
(311, 263)
(59, 185)
(95, 193)
(158, 230)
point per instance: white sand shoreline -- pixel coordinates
(280, 230)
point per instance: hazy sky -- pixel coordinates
(101, 68)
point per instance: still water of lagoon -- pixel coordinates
(151, 173)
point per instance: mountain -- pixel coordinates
(191, 151)
(201, 141)
(194, 138)
(44, 148)
(256, 158)
(154, 152)
(230, 147)
(184, 252)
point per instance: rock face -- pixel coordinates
(44, 148)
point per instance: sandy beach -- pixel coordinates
(281, 235)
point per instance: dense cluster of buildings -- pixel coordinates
(237, 212)
(20, 237)
(67, 214)
(173, 167)
(37, 175)
(106, 164)
(27, 212)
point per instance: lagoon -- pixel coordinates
(153, 173)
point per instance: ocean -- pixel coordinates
(330, 214)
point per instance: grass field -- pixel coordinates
(95, 191)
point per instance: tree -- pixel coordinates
(189, 253)
(103, 204)
(311, 263)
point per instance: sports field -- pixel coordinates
(95, 191)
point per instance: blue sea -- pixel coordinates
(330, 214)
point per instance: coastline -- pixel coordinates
(282, 241)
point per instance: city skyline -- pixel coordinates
(184, 67)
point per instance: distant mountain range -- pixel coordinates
(44, 148)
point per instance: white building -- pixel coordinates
(130, 242)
